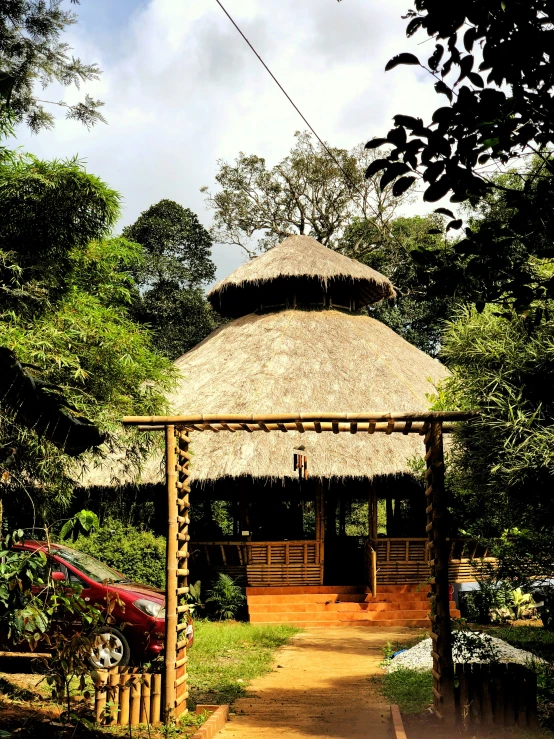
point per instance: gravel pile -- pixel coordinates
(486, 649)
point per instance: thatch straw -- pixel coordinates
(299, 271)
(298, 361)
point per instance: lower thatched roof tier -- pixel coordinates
(299, 361)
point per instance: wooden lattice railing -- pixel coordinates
(264, 562)
(401, 560)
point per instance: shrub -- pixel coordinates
(226, 598)
(137, 553)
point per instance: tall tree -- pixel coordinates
(416, 313)
(32, 54)
(177, 263)
(498, 111)
(65, 289)
(311, 191)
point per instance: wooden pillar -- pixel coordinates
(171, 604)
(244, 508)
(320, 525)
(443, 666)
(372, 513)
(390, 515)
(342, 513)
(183, 538)
(178, 489)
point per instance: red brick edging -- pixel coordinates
(397, 722)
(217, 720)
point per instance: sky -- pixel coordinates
(182, 90)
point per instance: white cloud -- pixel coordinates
(182, 89)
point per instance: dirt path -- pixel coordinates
(321, 688)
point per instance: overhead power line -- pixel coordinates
(312, 129)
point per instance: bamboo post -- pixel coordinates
(124, 695)
(183, 521)
(100, 696)
(171, 603)
(113, 696)
(145, 698)
(156, 698)
(443, 666)
(134, 701)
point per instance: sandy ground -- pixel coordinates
(322, 687)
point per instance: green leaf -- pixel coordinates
(445, 212)
(374, 143)
(437, 190)
(401, 59)
(67, 528)
(443, 89)
(376, 166)
(401, 185)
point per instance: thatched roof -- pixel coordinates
(298, 361)
(299, 271)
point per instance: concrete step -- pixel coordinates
(333, 616)
(406, 604)
(416, 623)
(333, 597)
(334, 589)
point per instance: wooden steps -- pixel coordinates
(394, 605)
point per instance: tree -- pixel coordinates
(503, 460)
(177, 263)
(31, 53)
(309, 192)
(414, 314)
(65, 290)
(488, 121)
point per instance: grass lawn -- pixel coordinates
(226, 656)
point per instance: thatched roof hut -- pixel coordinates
(299, 344)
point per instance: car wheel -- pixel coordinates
(111, 649)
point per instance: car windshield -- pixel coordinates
(89, 566)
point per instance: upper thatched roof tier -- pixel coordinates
(299, 271)
(297, 361)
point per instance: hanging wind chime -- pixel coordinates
(301, 463)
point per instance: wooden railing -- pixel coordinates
(402, 560)
(264, 563)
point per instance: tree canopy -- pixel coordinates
(177, 263)
(309, 192)
(498, 112)
(416, 314)
(65, 290)
(32, 55)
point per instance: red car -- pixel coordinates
(137, 631)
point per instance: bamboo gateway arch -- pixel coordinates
(178, 430)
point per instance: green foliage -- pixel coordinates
(64, 310)
(502, 462)
(411, 690)
(32, 56)
(497, 111)
(414, 314)
(226, 597)
(27, 616)
(305, 193)
(226, 656)
(137, 553)
(177, 262)
(478, 605)
(82, 523)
